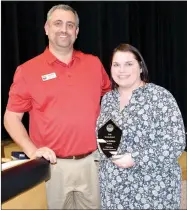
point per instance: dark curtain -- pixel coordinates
(157, 29)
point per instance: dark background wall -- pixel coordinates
(157, 29)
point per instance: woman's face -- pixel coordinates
(125, 70)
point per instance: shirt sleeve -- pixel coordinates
(168, 136)
(19, 97)
(106, 84)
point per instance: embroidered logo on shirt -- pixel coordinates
(49, 76)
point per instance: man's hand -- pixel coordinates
(14, 126)
(45, 152)
(125, 161)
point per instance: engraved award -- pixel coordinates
(109, 137)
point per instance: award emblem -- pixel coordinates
(109, 137)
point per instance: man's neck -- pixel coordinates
(64, 55)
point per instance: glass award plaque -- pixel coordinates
(109, 137)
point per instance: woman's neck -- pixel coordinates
(124, 91)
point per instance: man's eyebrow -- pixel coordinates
(62, 21)
(71, 22)
(57, 21)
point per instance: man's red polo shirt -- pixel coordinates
(63, 101)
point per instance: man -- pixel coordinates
(61, 90)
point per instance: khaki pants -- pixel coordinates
(74, 184)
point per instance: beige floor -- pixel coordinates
(184, 195)
(183, 164)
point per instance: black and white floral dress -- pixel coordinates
(153, 132)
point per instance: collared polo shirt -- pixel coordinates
(63, 100)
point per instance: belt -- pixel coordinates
(76, 157)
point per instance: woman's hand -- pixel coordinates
(125, 161)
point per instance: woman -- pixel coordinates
(144, 174)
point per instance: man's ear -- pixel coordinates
(77, 31)
(46, 28)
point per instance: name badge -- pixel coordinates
(48, 76)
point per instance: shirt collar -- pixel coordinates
(51, 58)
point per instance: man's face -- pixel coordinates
(61, 29)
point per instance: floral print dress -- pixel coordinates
(153, 132)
